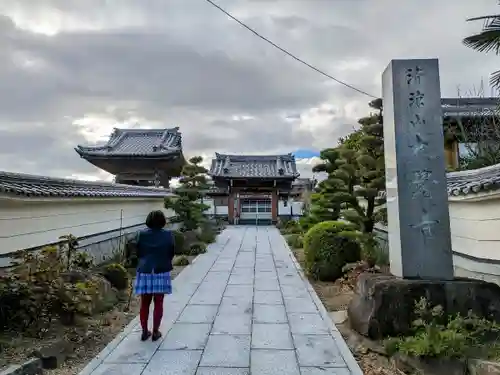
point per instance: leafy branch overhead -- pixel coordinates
(487, 40)
(188, 202)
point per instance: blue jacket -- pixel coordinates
(155, 250)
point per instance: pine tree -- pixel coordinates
(188, 202)
(331, 193)
(368, 160)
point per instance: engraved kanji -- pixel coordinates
(413, 75)
(418, 121)
(419, 181)
(416, 99)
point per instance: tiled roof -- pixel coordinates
(138, 142)
(17, 184)
(259, 166)
(474, 181)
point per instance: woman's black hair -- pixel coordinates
(156, 220)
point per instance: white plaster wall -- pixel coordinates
(291, 207)
(475, 227)
(212, 210)
(29, 223)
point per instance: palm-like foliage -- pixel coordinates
(487, 40)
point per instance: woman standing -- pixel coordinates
(155, 250)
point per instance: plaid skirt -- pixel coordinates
(153, 283)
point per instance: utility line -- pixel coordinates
(289, 53)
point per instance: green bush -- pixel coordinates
(35, 291)
(295, 241)
(198, 248)
(82, 260)
(207, 235)
(117, 275)
(437, 336)
(179, 242)
(328, 247)
(181, 261)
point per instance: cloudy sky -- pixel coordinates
(71, 70)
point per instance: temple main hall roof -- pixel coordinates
(254, 166)
(137, 142)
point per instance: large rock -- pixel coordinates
(384, 305)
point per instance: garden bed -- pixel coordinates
(86, 338)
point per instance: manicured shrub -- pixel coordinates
(207, 235)
(181, 261)
(198, 248)
(295, 240)
(117, 275)
(179, 242)
(328, 247)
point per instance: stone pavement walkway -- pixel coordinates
(242, 308)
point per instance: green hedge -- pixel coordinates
(328, 247)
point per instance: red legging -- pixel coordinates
(157, 312)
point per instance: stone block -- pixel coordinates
(482, 367)
(52, 356)
(384, 305)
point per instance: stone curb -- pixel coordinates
(346, 353)
(32, 366)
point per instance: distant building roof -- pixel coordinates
(254, 166)
(137, 142)
(17, 184)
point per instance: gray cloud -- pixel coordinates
(183, 63)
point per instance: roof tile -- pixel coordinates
(17, 184)
(137, 142)
(254, 166)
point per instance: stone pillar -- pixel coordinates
(417, 199)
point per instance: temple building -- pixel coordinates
(145, 157)
(252, 187)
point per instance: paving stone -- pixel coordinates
(300, 305)
(132, 350)
(294, 292)
(268, 297)
(222, 371)
(186, 336)
(271, 336)
(266, 284)
(119, 369)
(241, 279)
(198, 314)
(235, 305)
(215, 276)
(274, 362)
(232, 324)
(307, 324)
(239, 291)
(269, 314)
(173, 362)
(318, 350)
(227, 351)
(206, 298)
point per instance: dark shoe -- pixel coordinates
(145, 335)
(156, 335)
